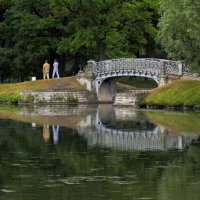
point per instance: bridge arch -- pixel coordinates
(107, 87)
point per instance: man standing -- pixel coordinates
(55, 69)
(46, 68)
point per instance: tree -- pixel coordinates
(27, 26)
(34, 30)
(179, 31)
(104, 29)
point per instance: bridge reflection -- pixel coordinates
(137, 140)
(144, 138)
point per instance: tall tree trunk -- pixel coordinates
(7, 43)
(102, 49)
(75, 67)
(148, 47)
(79, 63)
(62, 65)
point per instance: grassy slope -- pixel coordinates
(10, 92)
(182, 92)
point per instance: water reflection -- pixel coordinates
(55, 132)
(113, 127)
(98, 153)
(46, 134)
(55, 129)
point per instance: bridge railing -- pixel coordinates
(130, 65)
(172, 67)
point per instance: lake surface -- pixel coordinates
(97, 153)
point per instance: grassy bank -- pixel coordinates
(10, 93)
(180, 93)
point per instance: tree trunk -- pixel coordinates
(75, 67)
(62, 66)
(102, 49)
(79, 63)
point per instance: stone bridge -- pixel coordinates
(101, 75)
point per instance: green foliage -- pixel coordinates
(57, 97)
(26, 28)
(32, 31)
(72, 100)
(120, 26)
(9, 98)
(179, 31)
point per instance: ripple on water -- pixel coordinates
(7, 191)
(24, 176)
(111, 179)
(18, 165)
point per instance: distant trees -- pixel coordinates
(25, 31)
(179, 31)
(34, 30)
(102, 29)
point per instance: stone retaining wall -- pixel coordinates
(128, 98)
(56, 97)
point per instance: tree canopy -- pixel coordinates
(33, 30)
(179, 31)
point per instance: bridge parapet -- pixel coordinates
(131, 65)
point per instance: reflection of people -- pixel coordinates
(55, 133)
(46, 134)
(46, 68)
(55, 69)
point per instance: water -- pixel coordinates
(98, 153)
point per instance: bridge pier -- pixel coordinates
(107, 91)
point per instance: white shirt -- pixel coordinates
(55, 64)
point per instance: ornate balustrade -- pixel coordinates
(139, 66)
